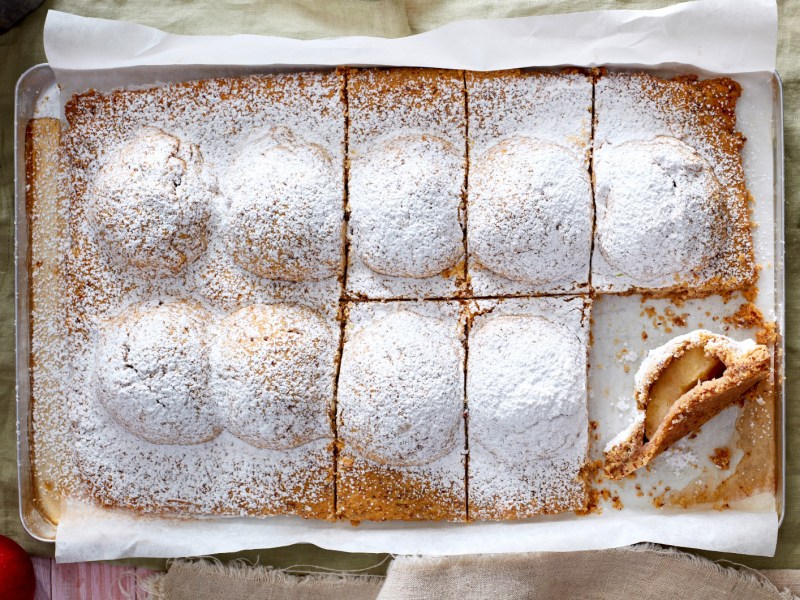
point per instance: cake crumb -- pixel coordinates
(747, 316)
(721, 458)
(767, 335)
(660, 500)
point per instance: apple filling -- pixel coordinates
(679, 387)
(681, 375)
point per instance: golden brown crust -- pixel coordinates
(703, 113)
(367, 491)
(575, 497)
(417, 88)
(694, 408)
(504, 73)
(42, 166)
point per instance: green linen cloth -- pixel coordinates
(22, 47)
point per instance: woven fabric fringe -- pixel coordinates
(639, 572)
(152, 586)
(210, 578)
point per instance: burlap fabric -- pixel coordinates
(21, 48)
(641, 573)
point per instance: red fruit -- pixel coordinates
(17, 581)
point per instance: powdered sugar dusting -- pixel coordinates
(627, 432)
(297, 115)
(670, 198)
(529, 198)
(284, 216)
(276, 142)
(529, 410)
(401, 389)
(218, 333)
(272, 375)
(678, 459)
(151, 374)
(407, 152)
(150, 203)
(400, 412)
(404, 206)
(526, 396)
(530, 213)
(663, 213)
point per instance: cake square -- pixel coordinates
(529, 198)
(205, 271)
(527, 407)
(400, 413)
(180, 411)
(670, 193)
(231, 189)
(406, 178)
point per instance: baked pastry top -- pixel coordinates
(284, 208)
(401, 430)
(526, 395)
(151, 373)
(670, 194)
(529, 207)
(272, 374)
(149, 203)
(406, 177)
(365, 294)
(237, 191)
(207, 254)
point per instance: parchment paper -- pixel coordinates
(716, 36)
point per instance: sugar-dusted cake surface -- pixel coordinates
(204, 277)
(285, 294)
(529, 197)
(526, 401)
(671, 200)
(406, 177)
(400, 419)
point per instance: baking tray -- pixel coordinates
(37, 96)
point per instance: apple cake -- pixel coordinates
(205, 269)
(529, 198)
(679, 387)
(406, 177)
(671, 201)
(400, 413)
(526, 400)
(365, 294)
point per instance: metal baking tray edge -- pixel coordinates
(780, 289)
(40, 77)
(29, 88)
